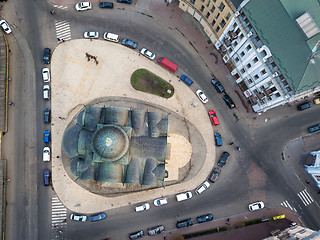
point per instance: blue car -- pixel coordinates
(47, 137)
(128, 43)
(124, 1)
(217, 138)
(186, 80)
(46, 177)
(97, 217)
(314, 128)
(205, 218)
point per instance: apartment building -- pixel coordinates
(272, 50)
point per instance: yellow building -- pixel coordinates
(213, 15)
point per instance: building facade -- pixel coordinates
(271, 49)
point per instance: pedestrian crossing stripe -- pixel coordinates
(60, 7)
(63, 30)
(305, 197)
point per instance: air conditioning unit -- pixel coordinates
(236, 14)
(276, 74)
(249, 34)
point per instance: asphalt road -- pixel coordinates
(237, 186)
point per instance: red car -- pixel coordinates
(213, 118)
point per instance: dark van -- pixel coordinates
(106, 5)
(167, 64)
(186, 80)
(304, 106)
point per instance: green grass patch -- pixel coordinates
(205, 232)
(146, 81)
(252, 222)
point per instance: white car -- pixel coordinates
(46, 154)
(79, 218)
(184, 196)
(46, 92)
(145, 52)
(160, 201)
(201, 96)
(256, 206)
(5, 26)
(82, 6)
(204, 186)
(91, 35)
(143, 207)
(46, 75)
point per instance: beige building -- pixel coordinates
(213, 15)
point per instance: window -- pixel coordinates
(217, 15)
(273, 64)
(217, 29)
(228, 17)
(263, 72)
(256, 77)
(213, 22)
(242, 54)
(248, 65)
(221, 7)
(241, 36)
(213, 8)
(192, 1)
(248, 47)
(202, 8)
(278, 95)
(270, 83)
(235, 25)
(236, 59)
(250, 81)
(202, 0)
(230, 50)
(243, 70)
(223, 23)
(208, 14)
(235, 43)
(208, 3)
(255, 60)
(237, 31)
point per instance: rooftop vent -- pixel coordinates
(307, 25)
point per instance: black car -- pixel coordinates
(217, 85)
(46, 55)
(223, 159)
(155, 230)
(106, 5)
(215, 174)
(185, 223)
(124, 1)
(205, 218)
(228, 101)
(47, 115)
(304, 106)
(136, 235)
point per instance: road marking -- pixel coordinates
(305, 197)
(60, 7)
(63, 30)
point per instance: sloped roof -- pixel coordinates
(285, 40)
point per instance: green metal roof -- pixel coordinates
(285, 39)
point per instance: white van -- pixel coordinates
(184, 196)
(111, 37)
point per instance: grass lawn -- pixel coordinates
(145, 81)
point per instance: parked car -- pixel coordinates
(145, 52)
(217, 85)
(47, 115)
(46, 92)
(46, 55)
(205, 218)
(184, 223)
(46, 75)
(78, 217)
(183, 196)
(160, 201)
(304, 106)
(124, 1)
(128, 43)
(223, 159)
(202, 96)
(97, 217)
(314, 128)
(46, 154)
(143, 207)
(215, 174)
(106, 5)
(47, 137)
(218, 139)
(316, 101)
(136, 235)
(155, 230)
(46, 177)
(82, 6)
(91, 35)
(256, 206)
(213, 118)
(186, 80)
(5, 26)
(111, 37)
(204, 186)
(228, 101)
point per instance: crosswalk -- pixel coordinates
(58, 219)
(63, 30)
(305, 197)
(287, 205)
(60, 7)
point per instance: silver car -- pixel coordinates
(82, 6)
(46, 92)
(77, 217)
(91, 35)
